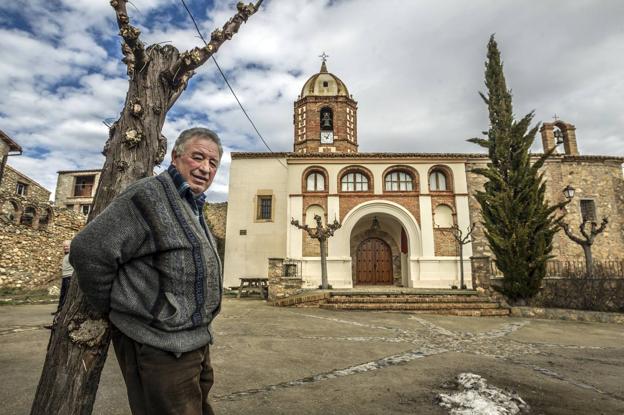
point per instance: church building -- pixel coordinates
(396, 209)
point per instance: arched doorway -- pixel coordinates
(374, 263)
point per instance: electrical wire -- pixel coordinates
(228, 83)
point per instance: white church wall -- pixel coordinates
(247, 254)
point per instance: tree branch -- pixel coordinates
(566, 229)
(194, 58)
(132, 48)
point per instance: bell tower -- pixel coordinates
(325, 115)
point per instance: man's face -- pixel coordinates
(198, 164)
(66, 247)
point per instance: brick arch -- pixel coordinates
(357, 169)
(452, 209)
(402, 167)
(448, 173)
(35, 219)
(314, 169)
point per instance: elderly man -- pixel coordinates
(149, 262)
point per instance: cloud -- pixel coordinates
(414, 67)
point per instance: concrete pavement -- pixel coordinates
(309, 361)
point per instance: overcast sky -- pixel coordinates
(415, 68)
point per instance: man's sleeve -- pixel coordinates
(107, 242)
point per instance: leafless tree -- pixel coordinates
(157, 77)
(320, 233)
(587, 239)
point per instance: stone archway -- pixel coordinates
(340, 245)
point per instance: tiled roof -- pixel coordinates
(464, 156)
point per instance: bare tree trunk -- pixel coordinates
(324, 282)
(158, 75)
(589, 262)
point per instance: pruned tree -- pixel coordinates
(157, 77)
(519, 223)
(320, 233)
(461, 239)
(587, 239)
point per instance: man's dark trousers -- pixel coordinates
(159, 383)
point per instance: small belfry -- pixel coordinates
(325, 115)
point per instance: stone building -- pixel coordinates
(8, 147)
(396, 209)
(75, 189)
(32, 230)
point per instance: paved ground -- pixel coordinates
(309, 361)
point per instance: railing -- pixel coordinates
(570, 269)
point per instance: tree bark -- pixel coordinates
(589, 262)
(158, 75)
(324, 282)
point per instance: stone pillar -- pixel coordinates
(569, 139)
(548, 136)
(481, 271)
(275, 273)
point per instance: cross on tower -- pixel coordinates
(556, 117)
(324, 56)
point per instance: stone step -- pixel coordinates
(410, 306)
(409, 299)
(402, 292)
(483, 312)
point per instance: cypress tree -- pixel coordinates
(518, 221)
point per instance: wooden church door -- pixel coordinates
(374, 263)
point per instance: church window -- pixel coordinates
(398, 181)
(437, 181)
(325, 84)
(588, 210)
(265, 207)
(315, 182)
(354, 182)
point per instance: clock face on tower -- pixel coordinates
(327, 137)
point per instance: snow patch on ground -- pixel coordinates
(476, 397)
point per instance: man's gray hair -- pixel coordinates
(197, 132)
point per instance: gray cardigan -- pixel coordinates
(147, 261)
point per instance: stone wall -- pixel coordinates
(280, 285)
(216, 218)
(31, 256)
(34, 191)
(594, 177)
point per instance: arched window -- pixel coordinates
(443, 216)
(28, 216)
(10, 210)
(327, 119)
(354, 182)
(315, 182)
(437, 181)
(312, 211)
(398, 181)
